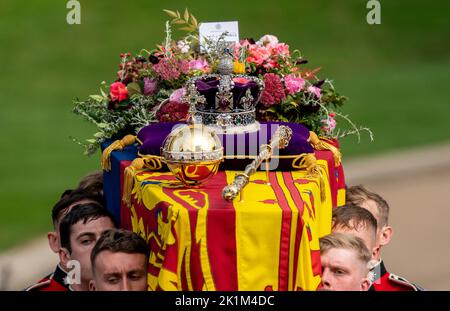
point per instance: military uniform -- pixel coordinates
(54, 282)
(382, 280)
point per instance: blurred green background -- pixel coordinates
(396, 75)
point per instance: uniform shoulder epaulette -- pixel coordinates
(402, 281)
(39, 285)
(52, 282)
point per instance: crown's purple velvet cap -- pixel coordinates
(209, 88)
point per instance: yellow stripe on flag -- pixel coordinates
(258, 227)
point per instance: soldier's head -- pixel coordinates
(374, 203)
(68, 199)
(358, 221)
(92, 183)
(119, 262)
(80, 229)
(345, 263)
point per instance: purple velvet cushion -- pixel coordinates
(152, 137)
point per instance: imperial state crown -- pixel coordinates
(223, 100)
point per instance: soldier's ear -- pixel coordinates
(92, 285)
(386, 235)
(365, 284)
(53, 242)
(64, 256)
(376, 252)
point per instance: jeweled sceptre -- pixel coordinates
(280, 140)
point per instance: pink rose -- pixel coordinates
(270, 63)
(198, 64)
(118, 91)
(177, 95)
(150, 86)
(315, 90)
(280, 49)
(258, 54)
(293, 84)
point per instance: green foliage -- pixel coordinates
(113, 123)
(186, 22)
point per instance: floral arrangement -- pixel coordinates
(149, 86)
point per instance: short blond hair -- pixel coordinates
(356, 195)
(346, 241)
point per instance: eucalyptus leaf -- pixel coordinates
(97, 98)
(102, 125)
(133, 88)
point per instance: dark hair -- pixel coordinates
(82, 212)
(92, 183)
(353, 217)
(66, 193)
(358, 194)
(69, 198)
(119, 241)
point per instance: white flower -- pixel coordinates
(267, 40)
(183, 46)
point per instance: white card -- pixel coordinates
(214, 30)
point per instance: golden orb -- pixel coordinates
(193, 153)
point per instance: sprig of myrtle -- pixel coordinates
(187, 21)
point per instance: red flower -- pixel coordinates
(273, 91)
(118, 91)
(173, 111)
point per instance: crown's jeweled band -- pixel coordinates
(241, 118)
